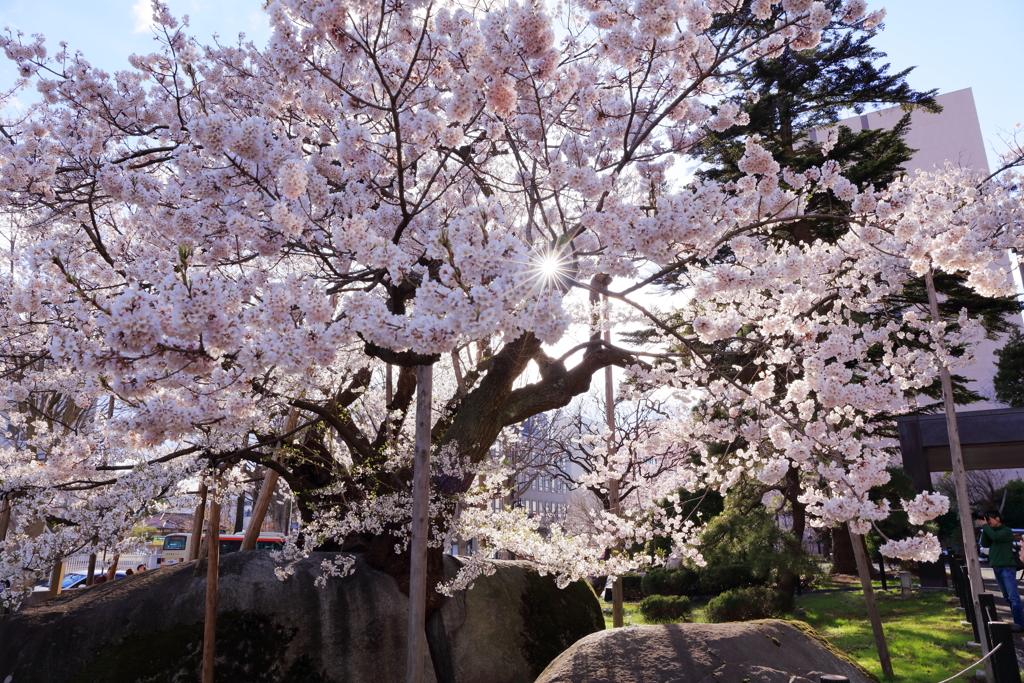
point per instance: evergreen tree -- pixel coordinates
(1009, 379)
(794, 97)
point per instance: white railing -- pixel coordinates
(80, 563)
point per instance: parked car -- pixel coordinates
(71, 581)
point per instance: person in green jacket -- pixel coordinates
(998, 538)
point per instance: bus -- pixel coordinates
(177, 547)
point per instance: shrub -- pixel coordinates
(717, 578)
(665, 608)
(744, 604)
(679, 581)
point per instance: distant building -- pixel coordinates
(952, 135)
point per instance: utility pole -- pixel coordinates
(420, 527)
(959, 477)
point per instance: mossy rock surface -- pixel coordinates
(148, 628)
(250, 648)
(768, 651)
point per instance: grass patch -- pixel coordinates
(926, 641)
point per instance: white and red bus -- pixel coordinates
(177, 547)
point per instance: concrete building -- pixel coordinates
(951, 135)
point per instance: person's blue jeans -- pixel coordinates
(1006, 577)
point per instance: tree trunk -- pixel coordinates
(90, 574)
(788, 579)
(420, 528)
(5, 518)
(960, 479)
(239, 513)
(864, 571)
(212, 566)
(197, 524)
(843, 559)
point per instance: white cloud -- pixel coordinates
(142, 15)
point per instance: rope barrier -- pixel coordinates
(990, 653)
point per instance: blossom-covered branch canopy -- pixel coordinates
(221, 234)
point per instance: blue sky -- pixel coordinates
(953, 45)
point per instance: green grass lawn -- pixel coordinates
(926, 641)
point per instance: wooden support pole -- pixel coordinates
(864, 571)
(416, 650)
(259, 510)
(200, 567)
(197, 524)
(212, 566)
(112, 569)
(56, 577)
(262, 504)
(959, 479)
(618, 612)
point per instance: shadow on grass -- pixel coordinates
(926, 641)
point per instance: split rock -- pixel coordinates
(148, 628)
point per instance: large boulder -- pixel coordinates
(148, 628)
(752, 652)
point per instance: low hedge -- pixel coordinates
(665, 608)
(679, 581)
(710, 580)
(718, 578)
(745, 604)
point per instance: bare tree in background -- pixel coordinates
(984, 488)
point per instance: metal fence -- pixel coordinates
(80, 563)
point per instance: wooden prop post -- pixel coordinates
(420, 527)
(613, 486)
(212, 566)
(960, 480)
(262, 504)
(197, 524)
(112, 569)
(864, 571)
(56, 577)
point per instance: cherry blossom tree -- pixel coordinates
(223, 234)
